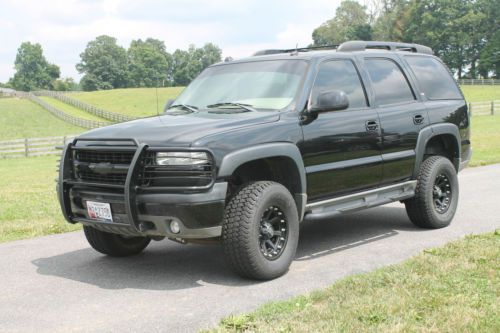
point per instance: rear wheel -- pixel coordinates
(261, 230)
(113, 244)
(436, 195)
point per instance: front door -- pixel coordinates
(341, 149)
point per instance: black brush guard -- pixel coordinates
(134, 225)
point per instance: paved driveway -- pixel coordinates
(58, 284)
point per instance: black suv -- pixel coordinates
(255, 146)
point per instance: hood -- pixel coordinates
(180, 130)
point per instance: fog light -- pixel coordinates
(175, 227)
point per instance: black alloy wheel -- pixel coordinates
(442, 193)
(273, 233)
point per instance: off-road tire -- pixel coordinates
(113, 244)
(242, 226)
(421, 209)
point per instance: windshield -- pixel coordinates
(259, 84)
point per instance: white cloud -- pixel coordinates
(64, 27)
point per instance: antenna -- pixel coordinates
(156, 90)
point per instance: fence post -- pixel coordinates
(26, 149)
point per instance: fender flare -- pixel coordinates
(233, 160)
(428, 133)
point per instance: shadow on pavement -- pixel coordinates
(171, 266)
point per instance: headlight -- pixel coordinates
(181, 158)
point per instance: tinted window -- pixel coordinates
(340, 75)
(433, 78)
(389, 83)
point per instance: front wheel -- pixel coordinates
(113, 244)
(260, 231)
(436, 195)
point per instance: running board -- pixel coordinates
(353, 202)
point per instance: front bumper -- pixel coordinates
(138, 212)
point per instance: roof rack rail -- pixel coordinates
(359, 45)
(299, 49)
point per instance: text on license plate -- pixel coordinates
(100, 211)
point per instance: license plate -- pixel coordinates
(99, 211)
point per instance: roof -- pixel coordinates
(346, 48)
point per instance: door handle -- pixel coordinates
(371, 125)
(418, 119)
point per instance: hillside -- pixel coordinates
(24, 119)
(71, 110)
(481, 93)
(142, 101)
(139, 102)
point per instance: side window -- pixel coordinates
(433, 78)
(340, 75)
(389, 82)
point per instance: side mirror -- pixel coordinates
(330, 100)
(168, 104)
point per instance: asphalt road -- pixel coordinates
(58, 284)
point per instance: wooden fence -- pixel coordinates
(33, 146)
(112, 116)
(85, 123)
(481, 82)
(484, 108)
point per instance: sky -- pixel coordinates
(238, 27)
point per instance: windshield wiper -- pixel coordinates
(191, 108)
(247, 107)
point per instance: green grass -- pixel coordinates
(23, 214)
(21, 118)
(28, 203)
(139, 102)
(481, 93)
(142, 101)
(485, 140)
(454, 288)
(71, 110)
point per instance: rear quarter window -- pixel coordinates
(434, 79)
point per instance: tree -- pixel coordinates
(104, 65)
(390, 24)
(149, 63)
(489, 61)
(350, 22)
(66, 84)
(186, 65)
(33, 71)
(455, 29)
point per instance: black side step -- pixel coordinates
(350, 203)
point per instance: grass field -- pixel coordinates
(454, 288)
(481, 93)
(28, 204)
(21, 118)
(138, 102)
(485, 140)
(142, 101)
(28, 211)
(71, 110)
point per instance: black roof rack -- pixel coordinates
(359, 45)
(355, 45)
(299, 49)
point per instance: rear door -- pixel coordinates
(401, 113)
(341, 149)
